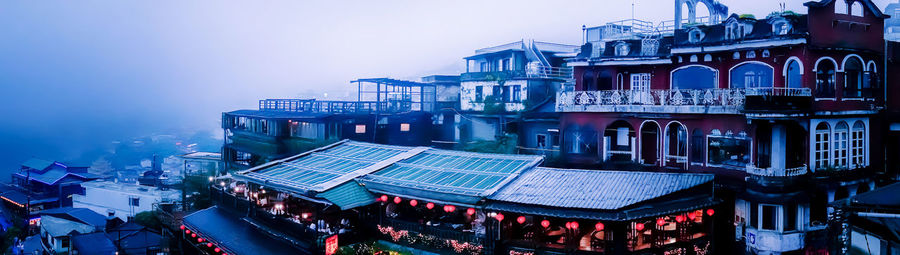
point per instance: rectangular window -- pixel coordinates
(483, 67)
(554, 138)
(856, 148)
(769, 217)
(728, 151)
(496, 92)
(541, 141)
(404, 127)
(822, 151)
(790, 217)
(479, 93)
(840, 147)
(360, 129)
(516, 95)
(506, 65)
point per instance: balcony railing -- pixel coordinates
(788, 92)
(492, 76)
(549, 72)
(778, 172)
(710, 101)
(312, 105)
(670, 101)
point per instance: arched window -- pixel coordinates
(649, 143)
(841, 142)
(853, 77)
(620, 81)
(618, 139)
(856, 9)
(694, 77)
(587, 81)
(857, 145)
(751, 75)
(794, 75)
(605, 81)
(697, 146)
(871, 82)
(823, 146)
(676, 144)
(840, 6)
(825, 78)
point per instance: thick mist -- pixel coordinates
(77, 75)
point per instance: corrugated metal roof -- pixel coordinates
(594, 189)
(449, 176)
(348, 195)
(327, 167)
(234, 235)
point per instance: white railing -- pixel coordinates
(729, 100)
(787, 92)
(540, 71)
(778, 172)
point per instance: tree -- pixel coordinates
(148, 219)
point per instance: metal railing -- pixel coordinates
(312, 105)
(778, 172)
(549, 72)
(575, 100)
(788, 92)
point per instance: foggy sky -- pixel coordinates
(75, 74)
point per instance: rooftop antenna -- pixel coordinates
(632, 9)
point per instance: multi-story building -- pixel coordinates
(385, 110)
(122, 200)
(502, 81)
(784, 107)
(41, 185)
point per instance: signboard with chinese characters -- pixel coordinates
(331, 245)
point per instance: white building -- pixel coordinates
(121, 200)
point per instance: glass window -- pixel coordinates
(841, 146)
(790, 217)
(697, 146)
(822, 149)
(479, 93)
(304, 129)
(541, 141)
(751, 75)
(676, 142)
(404, 127)
(694, 77)
(769, 217)
(853, 78)
(856, 9)
(360, 129)
(857, 145)
(794, 78)
(840, 7)
(825, 79)
(729, 151)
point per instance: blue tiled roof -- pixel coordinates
(234, 235)
(94, 243)
(83, 215)
(38, 164)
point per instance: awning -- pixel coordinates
(348, 195)
(644, 211)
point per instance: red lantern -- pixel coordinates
(639, 226)
(568, 225)
(182, 227)
(521, 219)
(599, 226)
(710, 212)
(193, 235)
(199, 240)
(679, 218)
(397, 200)
(499, 217)
(574, 225)
(187, 231)
(470, 211)
(217, 249)
(660, 221)
(384, 198)
(413, 203)
(450, 208)
(545, 223)
(692, 215)
(429, 206)
(209, 245)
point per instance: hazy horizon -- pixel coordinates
(76, 75)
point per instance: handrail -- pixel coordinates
(312, 105)
(778, 172)
(563, 73)
(773, 91)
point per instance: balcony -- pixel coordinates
(549, 72)
(686, 101)
(777, 172)
(708, 101)
(312, 105)
(778, 99)
(493, 76)
(774, 241)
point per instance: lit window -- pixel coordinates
(404, 127)
(728, 151)
(360, 129)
